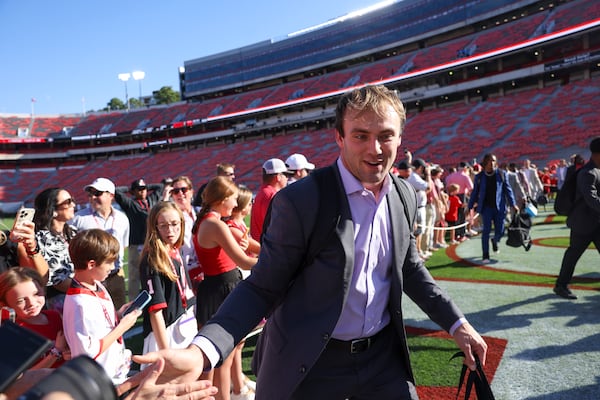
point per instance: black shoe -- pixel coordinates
(495, 246)
(564, 292)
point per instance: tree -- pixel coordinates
(115, 104)
(166, 95)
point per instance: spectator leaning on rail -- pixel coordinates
(136, 207)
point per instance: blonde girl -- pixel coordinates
(169, 320)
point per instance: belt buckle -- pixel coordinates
(359, 345)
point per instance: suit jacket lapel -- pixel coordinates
(345, 232)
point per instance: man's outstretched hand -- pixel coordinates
(181, 365)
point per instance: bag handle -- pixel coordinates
(475, 378)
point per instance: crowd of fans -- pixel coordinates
(64, 274)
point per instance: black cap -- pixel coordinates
(138, 184)
(419, 162)
(403, 165)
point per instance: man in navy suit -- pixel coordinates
(335, 328)
(491, 194)
(584, 220)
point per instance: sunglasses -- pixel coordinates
(183, 190)
(66, 203)
(94, 192)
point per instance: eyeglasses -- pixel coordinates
(66, 203)
(166, 225)
(94, 192)
(140, 188)
(183, 190)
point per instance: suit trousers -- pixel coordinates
(489, 215)
(374, 373)
(578, 243)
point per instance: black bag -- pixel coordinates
(542, 199)
(519, 231)
(475, 378)
(565, 197)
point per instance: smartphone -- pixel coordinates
(24, 214)
(20, 349)
(7, 314)
(140, 302)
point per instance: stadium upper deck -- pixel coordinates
(347, 39)
(303, 103)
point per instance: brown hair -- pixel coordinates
(93, 244)
(216, 190)
(185, 179)
(374, 98)
(13, 276)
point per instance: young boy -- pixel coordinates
(90, 323)
(454, 204)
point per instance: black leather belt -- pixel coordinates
(354, 346)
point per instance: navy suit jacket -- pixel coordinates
(504, 192)
(305, 301)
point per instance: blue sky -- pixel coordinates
(67, 53)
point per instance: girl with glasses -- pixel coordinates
(169, 318)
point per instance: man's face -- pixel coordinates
(182, 194)
(404, 173)
(229, 173)
(491, 164)
(369, 145)
(99, 200)
(140, 193)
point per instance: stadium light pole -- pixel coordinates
(125, 77)
(139, 76)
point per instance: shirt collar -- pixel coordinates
(353, 185)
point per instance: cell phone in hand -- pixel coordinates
(140, 302)
(24, 214)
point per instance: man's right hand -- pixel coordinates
(181, 365)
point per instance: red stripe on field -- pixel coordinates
(496, 347)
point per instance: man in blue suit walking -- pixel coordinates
(491, 193)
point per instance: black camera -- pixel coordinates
(81, 377)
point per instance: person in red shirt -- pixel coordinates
(454, 204)
(274, 177)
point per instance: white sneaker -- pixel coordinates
(245, 394)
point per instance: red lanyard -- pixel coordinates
(110, 321)
(181, 275)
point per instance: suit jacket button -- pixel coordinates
(302, 369)
(326, 336)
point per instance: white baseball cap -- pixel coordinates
(275, 166)
(297, 162)
(102, 185)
